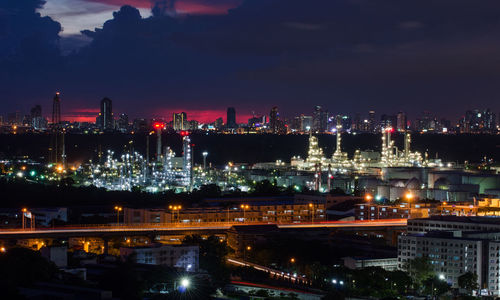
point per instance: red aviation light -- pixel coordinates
(158, 125)
(184, 133)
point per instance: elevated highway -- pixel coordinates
(173, 229)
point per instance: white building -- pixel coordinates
(454, 246)
(453, 223)
(57, 255)
(176, 256)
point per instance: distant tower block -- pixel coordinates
(56, 109)
(56, 150)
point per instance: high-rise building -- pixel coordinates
(401, 122)
(371, 121)
(388, 121)
(193, 125)
(37, 121)
(320, 119)
(179, 121)
(274, 120)
(231, 118)
(140, 125)
(105, 119)
(219, 123)
(57, 150)
(356, 124)
(56, 109)
(255, 121)
(14, 118)
(476, 121)
(123, 124)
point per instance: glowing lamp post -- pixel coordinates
(24, 211)
(368, 197)
(118, 210)
(175, 208)
(244, 207)
(409, 197)
(311, 207)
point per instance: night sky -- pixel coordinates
(202, 56)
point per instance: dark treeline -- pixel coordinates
(250, 148)
(17, 193)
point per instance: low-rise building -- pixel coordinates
(373, 211)
(258, 212)
(388, 264)
(57, 255)
(183, 257)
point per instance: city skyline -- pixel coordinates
(250, 149)
(395, 119)
(420, 58)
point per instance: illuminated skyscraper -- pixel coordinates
(371, 120)
(274, 120)
(37, 121)
(106, 115)
(231, 118)
(319, 119)
(179, 121)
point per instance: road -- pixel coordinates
(158, 229)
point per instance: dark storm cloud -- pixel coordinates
(24, 32)
(346, 55)
(29, 52)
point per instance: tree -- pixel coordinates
(212, 257)
(468, 281)
(210, 191)
(23, 267)
(420, 269)
(435, 286)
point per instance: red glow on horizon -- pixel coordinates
(88, 115)
(193, 7)
(206, 116)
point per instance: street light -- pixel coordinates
(244, 207)
(185, 283)
(175, 208)
(368, 197)
(292, 260)
(409, 196)
(24, 210)
(247, 248)
(311, 207)
(118, 210)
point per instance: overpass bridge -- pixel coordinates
(156, 229)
